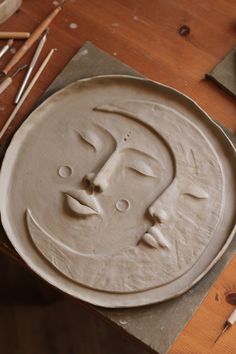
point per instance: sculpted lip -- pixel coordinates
(81, 203)
(155, 238)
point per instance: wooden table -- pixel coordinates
(146, 36)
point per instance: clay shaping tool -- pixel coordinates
(8, 80)
(31, 66)
(15, 35)
(228, 324)
(31, 40)
(27, 91)
(6, 47)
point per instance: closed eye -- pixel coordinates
(196, 192)
(142, 168)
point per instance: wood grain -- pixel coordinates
(199, 335)
(144, 35)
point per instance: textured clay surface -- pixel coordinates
(118, 191)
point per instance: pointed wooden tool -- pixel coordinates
(31, 40)
(27, 91)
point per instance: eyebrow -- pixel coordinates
(106, 131)
(89, 138)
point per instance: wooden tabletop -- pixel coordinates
(201, 335)
(174, 42)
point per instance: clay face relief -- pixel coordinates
(115, 192)
(116, 173)
(126, 193)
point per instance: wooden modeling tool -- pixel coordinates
(14, 35)
(6, 47)
(8, 80)
(27, 91)
(31, 66)
(31, 40)
(228, 324)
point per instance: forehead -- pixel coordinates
(124, 130)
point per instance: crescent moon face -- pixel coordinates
(157, 241)
(127, 194)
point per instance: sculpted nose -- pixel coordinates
(99, 181)
(96, 182)
(158, 213)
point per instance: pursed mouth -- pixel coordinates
(155, 238)
(82, 203)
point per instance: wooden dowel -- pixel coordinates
(31, 67)
(4, 49)
(31, 40)
(14, 35)
(5, 84)
(27, 91)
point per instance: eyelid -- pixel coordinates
(142, 163)
(143, 168)
(91, 138)
(196, 192)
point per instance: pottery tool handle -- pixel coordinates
(228, 324)
(27, 91)
(232, 318)
(31, 40)
(31, 67)
(6, 47)
(8, 80)
(15, 35)
(5, 83)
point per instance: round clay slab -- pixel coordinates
(119, 191)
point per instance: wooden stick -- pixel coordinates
(4, 49)
(31, 40)
(14, 35)
(31, 67)
(27, 91)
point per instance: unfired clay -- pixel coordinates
(118, 191)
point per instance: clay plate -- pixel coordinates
(119, 191)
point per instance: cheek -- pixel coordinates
(194, 208)
(73, 166)
(129, 193)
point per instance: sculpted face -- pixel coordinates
(114, 192)
(186, 198)
(131, 167)
(117, 167)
